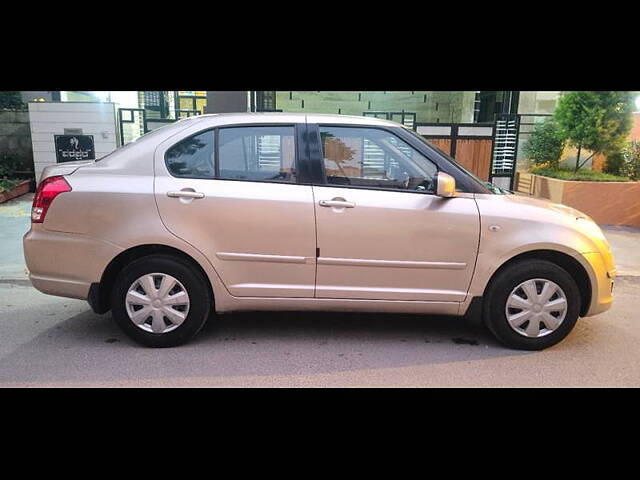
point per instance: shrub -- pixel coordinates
(631, 165)
(614, 164)
(545, 144)
(7, 185)
(11, 100)
(583, 174)
(8, 165)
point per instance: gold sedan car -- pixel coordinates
(222, 213)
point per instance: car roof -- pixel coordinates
(286, 117)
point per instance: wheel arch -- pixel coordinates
(563, 260)
(99, 293)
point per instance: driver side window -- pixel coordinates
(371, 157)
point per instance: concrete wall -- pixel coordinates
(227, 102)
(429, 106)
(49, 119)
(608, 203)
(15, 136)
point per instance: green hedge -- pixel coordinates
(7, 184)
(581, 175)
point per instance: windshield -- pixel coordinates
(496, 189)
(488, 185)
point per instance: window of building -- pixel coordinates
(265, 101)
(155, 104)
(369, 157)
(193, 157)
(257, 153)
(190, 102)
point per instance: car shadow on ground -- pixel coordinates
(89, 347)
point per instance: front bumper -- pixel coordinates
(603, 276)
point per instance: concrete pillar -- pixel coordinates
(227, 101)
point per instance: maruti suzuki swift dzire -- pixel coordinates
(232, 212)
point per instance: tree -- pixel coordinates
(12, 100)
(545, 144)
(596, 121)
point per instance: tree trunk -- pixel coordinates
(578, 159)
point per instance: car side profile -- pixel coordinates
(275, 211)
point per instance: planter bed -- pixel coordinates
(608, 203)
(18, 190)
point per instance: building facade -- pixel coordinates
(507, 117)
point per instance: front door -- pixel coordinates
(231, 192)
(382, 233)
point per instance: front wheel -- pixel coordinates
(532, 305)
(160, 301)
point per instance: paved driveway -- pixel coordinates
(15, 218)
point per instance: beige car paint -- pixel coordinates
(256, 241)
(526, 224)
(395, 245)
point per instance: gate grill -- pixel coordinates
(269, 152)
(375, 163)
(505, 150)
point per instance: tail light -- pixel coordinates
(48, 189)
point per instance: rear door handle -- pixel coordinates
(185, 194)
(341, 203)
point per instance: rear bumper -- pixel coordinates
(60, 287)
(65, 264)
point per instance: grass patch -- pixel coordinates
(582, 175)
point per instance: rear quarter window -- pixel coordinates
(192, 157)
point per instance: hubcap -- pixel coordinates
(157, 303)
(536, 308)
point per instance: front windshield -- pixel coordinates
(496, 189)
(488, 185)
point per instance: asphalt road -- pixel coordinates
(49, 341)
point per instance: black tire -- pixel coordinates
(194, 283)
(495, 317)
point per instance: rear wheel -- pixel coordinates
(532, 305)
(160, 301)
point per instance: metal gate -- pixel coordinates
(505, 150)
(470, 144)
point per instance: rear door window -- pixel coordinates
(257, 153)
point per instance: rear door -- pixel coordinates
(232, 192)
(382, 232)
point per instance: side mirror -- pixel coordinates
(446, 185)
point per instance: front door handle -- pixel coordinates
(337, 203)
(185, 194)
